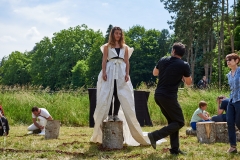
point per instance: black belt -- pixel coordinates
(116, 58)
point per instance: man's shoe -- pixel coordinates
(116, 118)
(232, 150)
(152, 141)
(110, 118)
(172, 152)
(41, 134)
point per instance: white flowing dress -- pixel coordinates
(116, 69)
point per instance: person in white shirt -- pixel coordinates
(40, 116)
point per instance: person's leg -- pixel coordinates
(194, 125)
(173, 112)
(217, 118)
(231, 124)
(110, 110)
(116, 100)
(237, 114)
(32, 127)
(42, 122)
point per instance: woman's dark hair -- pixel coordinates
(34, 109)
(179, 49)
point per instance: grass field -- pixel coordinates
(72, 109)
(73, 143)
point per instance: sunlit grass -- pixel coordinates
(73, 143)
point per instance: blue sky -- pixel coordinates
(25, 22)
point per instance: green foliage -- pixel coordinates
(108, 33)
(79, 72)
(71, 46)
(15, 70)
(94, 62)
(147, 52)
(42, 70)
(237, 38)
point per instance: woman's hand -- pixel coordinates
(126, 77)
(104, 76)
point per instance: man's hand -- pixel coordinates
(41, 127)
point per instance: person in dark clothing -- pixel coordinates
(170, 71)
(222, 103)
(202, 84)
(4, 127)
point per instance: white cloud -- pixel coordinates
(63, 20)
(7, 39)
(33, 34)
(46, 14)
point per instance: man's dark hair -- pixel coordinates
(179, 49)
(202, 104)
(34, 109)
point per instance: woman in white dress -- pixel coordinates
(114, 81)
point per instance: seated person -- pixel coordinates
(4, 127)
(200, 115)
(42, 115)
(222, 103)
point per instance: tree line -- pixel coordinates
(211, 31)
(72, 57)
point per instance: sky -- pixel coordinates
(25, 22)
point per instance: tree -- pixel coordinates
(79, 76)
(108, 33)
(15, 70)
(94, 61)
(146, 53)
(42, 70)
(71, 46)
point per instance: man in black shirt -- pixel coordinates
(170, 71)
(4, 127)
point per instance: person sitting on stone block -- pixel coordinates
(222, 103)
(200, 115)
(4, 127)
(40, 116)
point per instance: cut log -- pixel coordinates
(238, 136)
(221, 132)
(112, 135)
(206, 132)
(52, 129)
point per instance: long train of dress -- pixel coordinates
(115, 69)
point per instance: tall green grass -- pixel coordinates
(72, 107)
